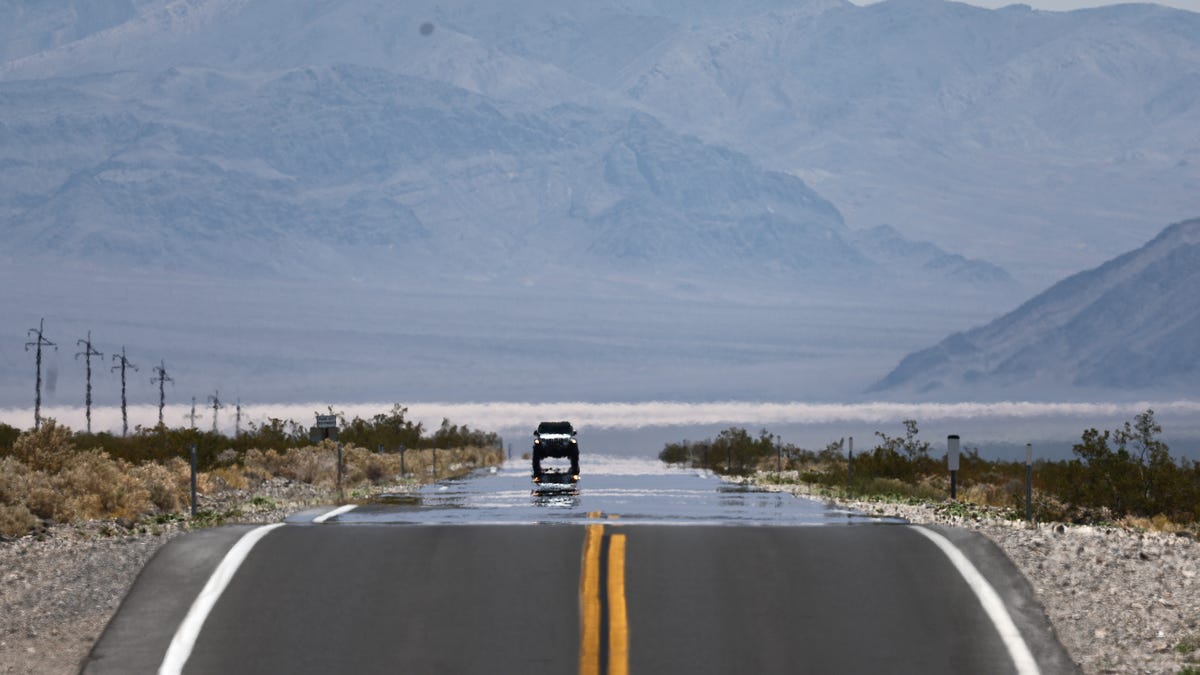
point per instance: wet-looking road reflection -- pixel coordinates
(635, 490)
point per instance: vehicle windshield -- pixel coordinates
(555, 428)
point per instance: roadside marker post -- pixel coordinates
(850, 463)
(402, 472)
(339, 468)
(1029, 482)
(193, 454)
(952, 460)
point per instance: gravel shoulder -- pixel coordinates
(1121, 601)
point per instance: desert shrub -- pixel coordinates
(44, 475)
(16, 520)
(315, 465)
(1130, 472)
(23, 486)
(990, 494)
(228, 478)
(1127, 473)
(909, 447)
(897, 489)
(676, 453)
(371, 467)
(47, 449)
(455, 436)
(390, 430)
(43, 498)
(734, 451)
(167, 485)
(14, 479)
(94, 485)
(8, 436)
(259, 465)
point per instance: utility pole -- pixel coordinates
(161, 378)
(122, 364)
(192, 415)
(40, 342)
(237, 421)
(87, 354)
(215, 400)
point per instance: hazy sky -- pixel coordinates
(1193, 5)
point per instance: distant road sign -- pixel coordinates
(326, 421)
(317, 434)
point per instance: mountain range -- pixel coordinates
(1130, 324)
(916, 165)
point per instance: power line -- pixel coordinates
(192, 415)
(161, 378)
(122, 364)
(215, 400)
(87, 355)
(37, 391)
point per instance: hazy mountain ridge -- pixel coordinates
(1132, 323)
(993, 132)
(886, 246)
(238, 166)
(348, 155)
(943, 140)
(649, 162)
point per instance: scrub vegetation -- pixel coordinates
(1124, 475)
(55, 475)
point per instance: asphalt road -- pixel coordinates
(596, 595)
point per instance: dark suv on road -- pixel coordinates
(555, 439)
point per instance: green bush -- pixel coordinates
(733, 451)
(1124, 473)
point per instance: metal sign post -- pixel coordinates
(952, 460)
(326, 429)
(339, 470)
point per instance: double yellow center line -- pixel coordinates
(592, 604)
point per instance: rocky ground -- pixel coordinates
(1122, 601)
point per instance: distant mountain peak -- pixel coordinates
(1131, 323)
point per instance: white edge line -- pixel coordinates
(334, 513)
(185, 636)
(992, 604)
